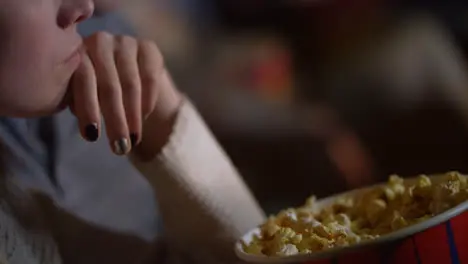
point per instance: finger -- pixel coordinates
(85, 103)
(150, 65)
(127, 67)
(101, 50)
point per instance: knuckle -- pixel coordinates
(99, 45)
(108, 91)
(147, 44)
(126, 41)
(149, 80)
(151, 48)
(131, 85)
(99, 37)
(99, 42)
(103, 36)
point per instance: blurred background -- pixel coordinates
(319, 96)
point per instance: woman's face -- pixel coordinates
(39, 51)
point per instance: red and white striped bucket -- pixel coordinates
(444, 243)
(439, 240)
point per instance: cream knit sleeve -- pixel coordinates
(205, 204)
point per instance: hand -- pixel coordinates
(124, 80)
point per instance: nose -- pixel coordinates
(72, 12)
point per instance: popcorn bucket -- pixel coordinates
(438, 240)
(443, 243)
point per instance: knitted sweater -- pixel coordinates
(203, 201)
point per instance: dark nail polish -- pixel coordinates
(92, 132)
(133, 139)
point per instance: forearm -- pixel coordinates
(204, 202)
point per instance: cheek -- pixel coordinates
(29, 79)
(29, 37)
(30, 49)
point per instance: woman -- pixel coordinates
(46, 67)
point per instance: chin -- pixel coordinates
(56, 107)
(32, 114)
(22, 112)
(64, 104)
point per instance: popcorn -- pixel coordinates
(363, 216)
(424, 181)
(375, 210)
(287, 250)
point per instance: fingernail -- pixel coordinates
(92, 132)
(133, 139)
(121, 146)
